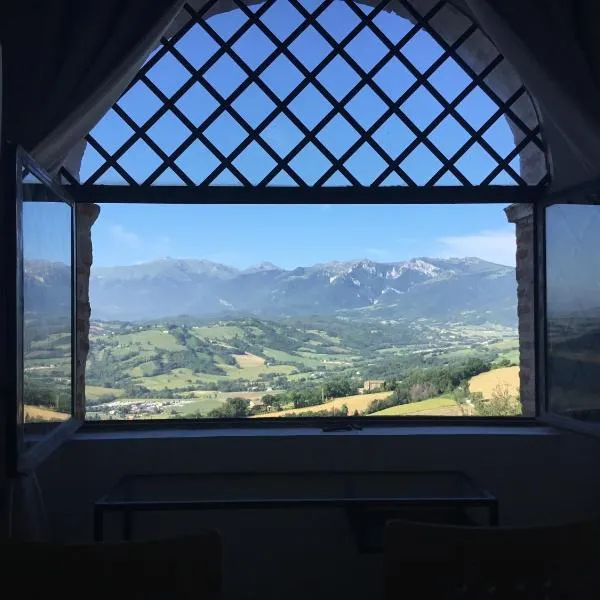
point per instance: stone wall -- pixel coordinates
(522, 216)
(86, 216)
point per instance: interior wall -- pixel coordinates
(538, 475)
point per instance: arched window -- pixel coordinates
(321, 93)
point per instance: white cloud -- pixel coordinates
(498, 245)
(125, 237)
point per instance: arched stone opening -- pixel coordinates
(477, 52)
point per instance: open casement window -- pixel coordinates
(367, 107)
(569, 309)
(39, 341)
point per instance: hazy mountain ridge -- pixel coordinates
(469, 289)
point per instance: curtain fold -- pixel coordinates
(66, 62)
(554, 46)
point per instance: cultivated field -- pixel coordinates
(358, 402)
(433, 407)
(40, 413)
(486, 383)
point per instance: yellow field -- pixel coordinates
(248, 360)
(487, 382)
(434, 407)
(358, 402)
(93, 392)
(40, 413)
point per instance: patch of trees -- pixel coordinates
(231, 408)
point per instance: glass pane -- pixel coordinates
(389, 310)
(573, 310)
(47, 308)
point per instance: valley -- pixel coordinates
(194, 339)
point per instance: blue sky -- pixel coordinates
(300, 235)
(292, 236)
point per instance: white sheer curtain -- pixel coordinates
(555, 48)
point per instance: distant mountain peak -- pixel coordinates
(263, 266)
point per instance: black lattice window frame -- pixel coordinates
(281, 106)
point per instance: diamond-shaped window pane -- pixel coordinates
(197, 162)
(310, 106)
(225, 178)
(476, 164)
(168, 132)
(393, 136)
(477, 108)
(282, 179)
(393, 179)
(500, 136)
(91, 161)
(281, 76)
(310, 47)
(111, 177)
(310, 164)
(227, 23)
(448, 179)
(447, 14)
(338, 19)
(197, 104)
(168, 74)
(365, 164)
(225, 76)
(449, 136)
(282, 135)
(421, 165)
(422, 108)
(394, 78)
(337, 180)
(366, 49)
(168, 177)
(111, 132)
(197, 46)
(253, 105)
(254, 163)
(338, 77)
(225, 133)
(449, 79)
(422, 50)
(392, 25)
(253, 47)
(530, 164)
(503, 178)
(338, 135)
(366, 107)
(281, 19)
(139, 103)
(485, 48)
(140, 161)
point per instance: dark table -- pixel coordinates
(369, 498)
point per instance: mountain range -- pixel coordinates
(467, 289)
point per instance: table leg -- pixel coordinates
(98, 524)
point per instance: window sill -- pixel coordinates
(434, 430)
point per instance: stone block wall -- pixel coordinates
(522, 216)
(86, 216)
